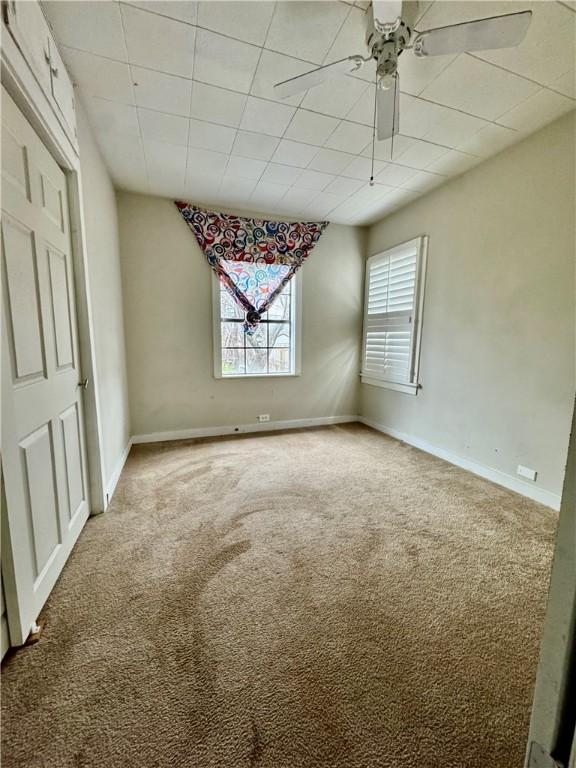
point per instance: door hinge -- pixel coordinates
(541, 758)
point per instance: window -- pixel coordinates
(393, 316)
(272, 350)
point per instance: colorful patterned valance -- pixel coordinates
(253, 258)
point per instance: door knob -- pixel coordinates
(83, 383)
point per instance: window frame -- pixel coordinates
(420, 243)
(296, 288)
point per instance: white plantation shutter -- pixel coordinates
(392, 315)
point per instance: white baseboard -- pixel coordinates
(541, 495)
(267, 426)
(113, 481)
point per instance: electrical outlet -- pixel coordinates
(530, 474)
(264, 417)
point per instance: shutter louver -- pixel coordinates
(388, 335)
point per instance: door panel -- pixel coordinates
(61, 304)
(75, 484)
(21, 280)
(42, 501)
(43, 445)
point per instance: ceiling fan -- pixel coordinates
(390, 32)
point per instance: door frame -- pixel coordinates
(552, 735)
(21, 84)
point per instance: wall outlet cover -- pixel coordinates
(264, 417)
(530, 474)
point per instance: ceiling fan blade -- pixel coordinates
(386, 12)
(388, 110)
(317, 76)
(481, 35)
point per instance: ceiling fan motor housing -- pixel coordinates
(385, 48)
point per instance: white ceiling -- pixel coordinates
(180, 97)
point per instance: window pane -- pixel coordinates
(258, 338)
(228, 307)
(232, 334)
(256, 361)
(232, 362)
(279, 360)
(279, 334)
(280, 310)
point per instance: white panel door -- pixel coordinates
(43, 448)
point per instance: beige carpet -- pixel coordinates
(326, 597)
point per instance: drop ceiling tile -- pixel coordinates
(203, 186)
(111, 117)
(247, 21)
(204, 135)
(345, 187)
(310, 127)
(275, 68)
(217, 105)
(566, 84)
(489, 140)
(224, 62)
(164, 93)
(294, 153)
(416, 74)
(182, 10)
(330, 161)
(350, 137)
(389, 151)
(417, 116)
(245, 168)
(423, 181)
(97, 76)
(254, 145)
(363, 110)
(203, 161)
(421, 154)
(280, 174)
(266, 117)
(549, 49)
(123, 155)
(454, 128)
(306, 30)
(478, 88)
(89, 26)
(324, 203)
(159, 43)
(236, 190)
(165, 162)
(268, 194)
(313, 180)
(160, 126)
(453, 163)
(361, 168)
(538, 110)
(300, 197)
(422, 6)
(351, 40)
(396, 175)
(335, 97)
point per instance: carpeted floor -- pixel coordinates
(322, 598)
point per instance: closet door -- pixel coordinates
(43, 447)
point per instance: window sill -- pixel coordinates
(235, 377)
(409, 389)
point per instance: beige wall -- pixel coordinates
(101, 230)
(168, 320)
(497, 361)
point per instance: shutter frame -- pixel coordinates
(390, 358)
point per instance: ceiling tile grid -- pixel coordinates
(180, 96)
